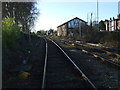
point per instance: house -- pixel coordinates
(112, 24)
(69, 27)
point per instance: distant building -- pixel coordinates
(70, 26)
(50, 32)
(113, 24)
(94, 24)
(118, 7)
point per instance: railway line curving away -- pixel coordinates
(56, 64)
(61, 71)
(101, 74)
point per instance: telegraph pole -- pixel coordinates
(87, 18)
(97, 16)
(91, 19)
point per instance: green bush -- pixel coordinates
(10, 32)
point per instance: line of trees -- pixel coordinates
(17, 18)
(24, 13)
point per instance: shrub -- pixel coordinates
(111, 39)
(10, 32)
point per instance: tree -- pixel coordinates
(41, 32)
(11, 32)
(25, 17)
(102, 25)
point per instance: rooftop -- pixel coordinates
(71, 20)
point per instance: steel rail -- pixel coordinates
(45, 65)
(95, 48)
(83, 75)
(101, 58)
(105, 51)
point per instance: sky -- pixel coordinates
(54, 13)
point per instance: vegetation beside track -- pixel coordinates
(106, 39)
(16, 48)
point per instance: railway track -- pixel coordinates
(102, 73)
(104, 55)
(60, 71)
(53, 68)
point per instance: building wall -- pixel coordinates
(62, 30)
(59, 31)
(118, 24)
(107, 25)
(112, 24)
(69, 27)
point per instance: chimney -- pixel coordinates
(113, 18)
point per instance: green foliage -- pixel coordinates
(25, 16)
(10, 31)
(33, 33)
(41, 32)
